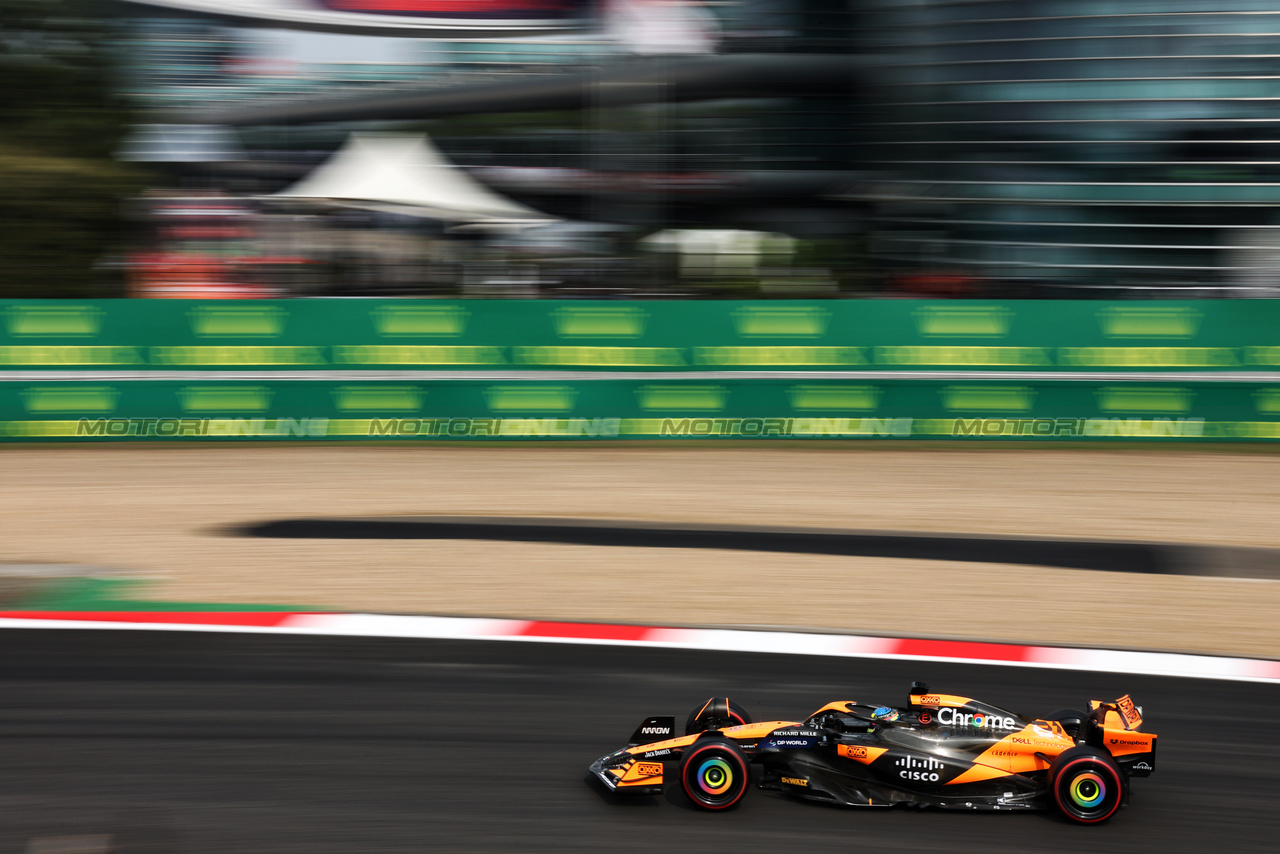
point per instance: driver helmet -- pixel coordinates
(885, 713)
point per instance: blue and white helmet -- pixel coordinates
(885, 713)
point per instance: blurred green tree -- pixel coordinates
(60, 121)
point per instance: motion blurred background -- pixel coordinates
(743, 150)
(639, 148)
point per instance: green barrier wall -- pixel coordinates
(629, 409)
(669, 336)
(446, 371)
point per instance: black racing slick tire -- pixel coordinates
(1071, 720)
(1086, 785)
(715, 713)
(714, 773)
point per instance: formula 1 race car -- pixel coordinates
(940, 751)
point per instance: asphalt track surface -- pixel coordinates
(187, 742)
(1100, 556)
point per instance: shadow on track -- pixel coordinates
(1100, 556)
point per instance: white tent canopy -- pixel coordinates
(407, 174)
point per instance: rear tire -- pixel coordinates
(1071, 719)
(1086, 785)
(714, 773)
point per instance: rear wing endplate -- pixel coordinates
(1129, 713)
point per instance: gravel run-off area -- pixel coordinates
(163, 511)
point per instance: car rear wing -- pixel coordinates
(1113, 727)
(1128, 715)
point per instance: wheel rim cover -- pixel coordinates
(715, 777)
(1088, 791)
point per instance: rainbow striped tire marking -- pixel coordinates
(1087, 785)
(714, 773)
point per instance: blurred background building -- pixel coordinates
(719, 148)
(634, 125)
(1115, 146)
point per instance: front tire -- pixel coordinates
(1086, 785)
(714, 773)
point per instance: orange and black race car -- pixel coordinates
(940, 751)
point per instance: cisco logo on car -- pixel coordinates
(918, 769)
(950, 717)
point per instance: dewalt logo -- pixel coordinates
(699, 398)
(531, 397)
(225, 398)
(1267, 400)
(76, 398)
(781, 321)
(833, 397)
(1144, 399)
(443, 321)
(237, 321)
(963, 321)
(54, 321)
(599, 321)
(1149, 322)
(378, 398)
(984, 398)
